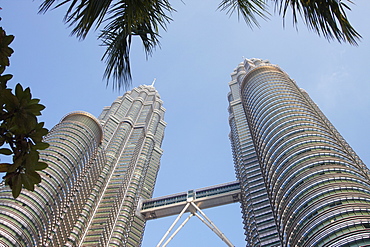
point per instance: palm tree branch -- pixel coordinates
(247, 8)
(81, 14)
(126, 19)
(325, 17)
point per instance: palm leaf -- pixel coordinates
(81, 14)
(325, 17)
(125, 18)
(247, 8)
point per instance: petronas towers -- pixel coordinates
(301, 184)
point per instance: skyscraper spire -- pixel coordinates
(153, 82)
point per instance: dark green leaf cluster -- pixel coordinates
(20, 131)
(142, 18)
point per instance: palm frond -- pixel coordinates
(117, 58)
(247, 8)
(82, 15)
(325, 17)
(140, 18)
(125, 18)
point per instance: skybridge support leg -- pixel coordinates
(203, 217)
(177, 230)
(211, 225)
(173, 224)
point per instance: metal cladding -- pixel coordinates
(35, 217)
(99, 170)
(302, 185)
(133, 129)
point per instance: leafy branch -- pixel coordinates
(20, 132)
(121, 21)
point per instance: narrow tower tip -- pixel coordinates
(153, 82)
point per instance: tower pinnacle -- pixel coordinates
(153, 82)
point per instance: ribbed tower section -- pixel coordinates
(317, 188)
(133, 132)
(44, 217)
(258, 217)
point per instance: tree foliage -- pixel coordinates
(325, 17)
(21, 134)
(124, 19)
(127, 18)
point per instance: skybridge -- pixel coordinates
(192, 201)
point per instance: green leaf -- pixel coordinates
(8, 39)
(16, 185)
(4, 60)
(34, 176)
(38, 133)
(4, 167)
(5, 95)
(34, 101)
(27, 182)
(40, 166)
(6, 151)
(2, 139)
(40, 146)
(27, 91)
(40, 126)
(19, 127)
(34, 109)
(5, 78)
(16, 163)
(10, 100)
(19, 91)
(8, 51)
(24, 122)
(30, 160)
(2, 69)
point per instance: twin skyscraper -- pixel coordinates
(298, 181)
(99, 169)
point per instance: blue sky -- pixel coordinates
(198, 52)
